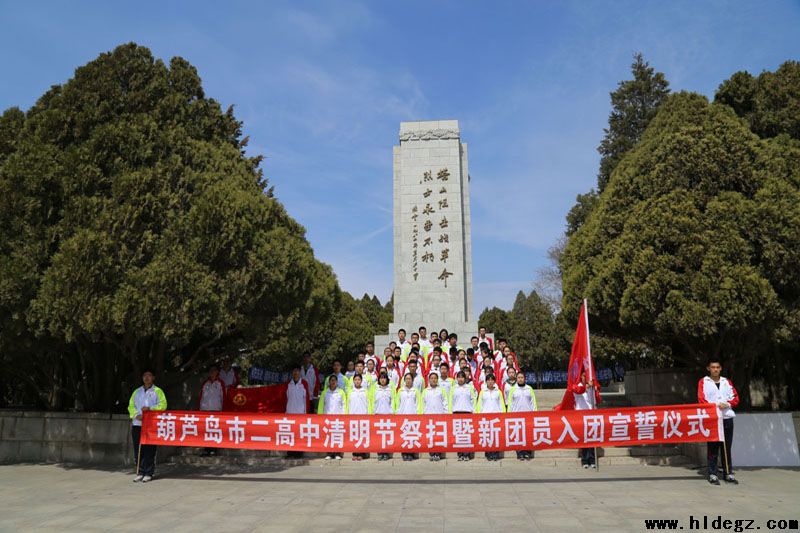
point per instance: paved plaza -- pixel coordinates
(419, 496)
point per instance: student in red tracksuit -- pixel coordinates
(718, 390)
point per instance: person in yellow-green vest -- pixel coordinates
(148, 397)
(382, 402)
(491, 400)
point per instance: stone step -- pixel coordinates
(619, 455)
(620, 451)
(235, 464)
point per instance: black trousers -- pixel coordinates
(715, 447)
(147, 460)
(587, 456)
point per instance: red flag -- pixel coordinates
(580, 361)
(266, 399)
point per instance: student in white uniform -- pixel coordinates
(310, 373)
(370, 374)
(416, 378)
(358, 404)
(409, 402)
(212, 391)
(382, 402)
(491, 400)
(298, 396)
(351, 371)
(372, 355)
(148, 397)
(462, 400)
(445, 381)
(584, 394)
(720, 391)
(333, 402)
(298, 400)
(483, 338)
(521, 399)
(228, 375)
(435, 364)
(435, 402)
(403, 344)
(392, 371)
(337, 371)
(399, 361)
(509, 381)
(425, 344)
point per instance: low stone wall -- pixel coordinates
(80, 438)
(661, 386)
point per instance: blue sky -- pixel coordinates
(322, 88)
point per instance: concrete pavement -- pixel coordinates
(369, 496)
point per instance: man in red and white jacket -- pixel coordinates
(718, 390)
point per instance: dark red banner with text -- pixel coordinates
(435, 433)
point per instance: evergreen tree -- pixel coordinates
(135, 232)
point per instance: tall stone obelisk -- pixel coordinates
(432, 240)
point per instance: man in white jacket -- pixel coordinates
(148, 397)
(311, 375)
(298, 400)
(298, 396)
(718, 390)
(212, 393)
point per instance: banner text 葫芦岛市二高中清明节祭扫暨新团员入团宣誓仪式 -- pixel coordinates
(536, 430)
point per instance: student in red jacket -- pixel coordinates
(718, 390)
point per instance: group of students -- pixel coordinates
(415, 378)
(422, 356)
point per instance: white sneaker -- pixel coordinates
(137, 479)
(328, 457)
(338, 457)
(145, 479)
(593, 465)
(585, 466)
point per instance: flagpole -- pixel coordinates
(591, 370)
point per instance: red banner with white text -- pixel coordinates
(435, 433)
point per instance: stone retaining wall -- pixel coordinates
(81, 438)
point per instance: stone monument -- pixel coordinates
(432, 241)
